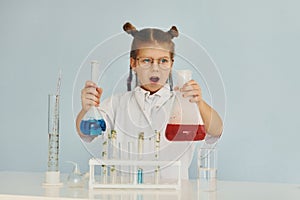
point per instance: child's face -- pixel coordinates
(153, 67)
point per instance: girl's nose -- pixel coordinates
(155, 66)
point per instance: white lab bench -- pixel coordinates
(29, 186)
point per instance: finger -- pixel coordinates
(193, 89)
(89, 102)
(91, 91)
(191, 85)
(193, 96)
(192, 93)
(195, 99)
(191, 82)
(90, 84)
(187, 88)
(92, 97)
(99, 90)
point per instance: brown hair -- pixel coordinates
(152, 36)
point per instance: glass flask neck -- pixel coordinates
(183, 76)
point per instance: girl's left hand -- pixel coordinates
(192, 90)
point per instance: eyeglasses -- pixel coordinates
(163, 63)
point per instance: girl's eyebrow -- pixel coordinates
(152, 57)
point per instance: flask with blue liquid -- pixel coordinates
(93, 123)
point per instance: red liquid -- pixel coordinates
(185, 132)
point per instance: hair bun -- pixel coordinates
(173, 32)
(129, 28)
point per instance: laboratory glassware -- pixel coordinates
(52, 176)
(140, 157)
(93, 123)
(207, 168)
(53, 132)
(157, 149)
(185, 122)
(75, 178)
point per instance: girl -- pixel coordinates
(146, 109)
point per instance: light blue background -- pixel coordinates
(255, 45)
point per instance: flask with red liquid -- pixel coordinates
(185, 122)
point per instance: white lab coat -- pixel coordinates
(137, 111)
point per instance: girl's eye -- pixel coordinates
(146, 60)
(164, 60)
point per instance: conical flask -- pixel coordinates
(185, 122)
(93, 123)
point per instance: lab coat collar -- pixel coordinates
(164, 93)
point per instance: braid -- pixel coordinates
(136, 80)
(171, 81)
(129, 79)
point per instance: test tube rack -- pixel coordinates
(122, 182)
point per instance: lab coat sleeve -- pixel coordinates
(107, 109)
(210, 139)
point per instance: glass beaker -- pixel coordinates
(207, 168)
(185, 122)
(93, 123)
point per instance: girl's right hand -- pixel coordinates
(90, 95)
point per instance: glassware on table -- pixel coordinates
(207, 168)
(185, 122)
(93, 123)
(52, 177)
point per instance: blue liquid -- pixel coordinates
(140, 176)
(92, 126)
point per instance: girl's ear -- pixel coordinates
(132, 63)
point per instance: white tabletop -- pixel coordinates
(25, 185)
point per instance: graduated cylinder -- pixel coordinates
(53, 132)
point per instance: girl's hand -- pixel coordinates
(90, 95)
(192, 90)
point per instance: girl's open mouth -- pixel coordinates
(154, 79)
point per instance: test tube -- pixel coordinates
(120, 166)
(140, 176)
(130, 172)
(139, 172)
(113, 154)
(157, 147)
(104, 157)
(157, 144)
(113, 144)
(140, 145)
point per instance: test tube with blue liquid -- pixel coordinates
(93, 123)
(140, 157)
